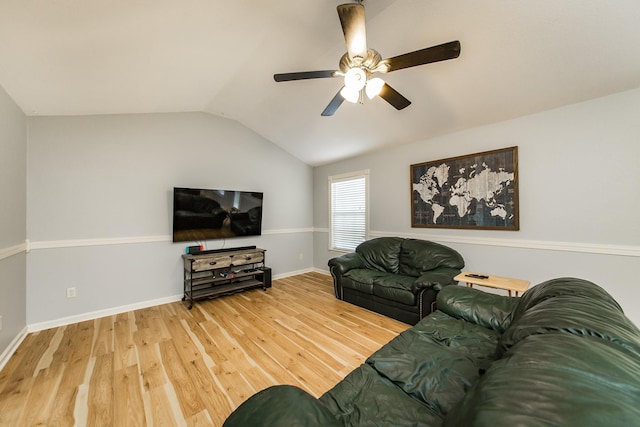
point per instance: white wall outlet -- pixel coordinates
(71, 292)
(0, 323)
(300, 256)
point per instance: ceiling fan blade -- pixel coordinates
(353, 27)
(393, 97)
(333, 105)
(303, 75)
(441, 52)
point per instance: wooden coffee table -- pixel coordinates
(498, 282)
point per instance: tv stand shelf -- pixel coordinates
(224, 272)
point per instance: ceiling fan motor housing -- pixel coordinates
(371, 63)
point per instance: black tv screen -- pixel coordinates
(200, 214)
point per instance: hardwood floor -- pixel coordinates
(168, 365)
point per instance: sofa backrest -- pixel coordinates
(570, 306)
(419, 256)
(570, 357)
(555, 380)
(409, 257)
(381, 253)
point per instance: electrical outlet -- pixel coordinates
(0, 323)
(71, 292)
(300, 256)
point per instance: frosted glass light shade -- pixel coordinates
(373, 88)
(350, 94)
(355, 78)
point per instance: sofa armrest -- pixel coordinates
(473, 305)
(346, 262)
(339, 266)
(436, 279)
(282, 406)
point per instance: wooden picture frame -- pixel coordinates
(475, 191)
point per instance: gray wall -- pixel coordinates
(100, 202)
(578, 179)
(13, 182)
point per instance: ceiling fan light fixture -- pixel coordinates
(374, 87)
(358, 64)
(350, 94)
(355, 78)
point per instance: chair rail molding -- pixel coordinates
(591, 248)
(14, 250)
(71, 243)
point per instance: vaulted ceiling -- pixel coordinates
(75, 57)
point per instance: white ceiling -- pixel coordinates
(73, 57)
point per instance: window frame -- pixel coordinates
(342, 178)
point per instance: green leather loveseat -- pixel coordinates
(394, 276)
(563, 354)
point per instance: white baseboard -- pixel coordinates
(34, 327)
(306, 270)
(321, 271)
(13, 346)
(291, 273)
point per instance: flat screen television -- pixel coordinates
(201, 214)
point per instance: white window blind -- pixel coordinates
(348, 210)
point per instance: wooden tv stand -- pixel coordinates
(224, 272)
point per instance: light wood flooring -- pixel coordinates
(167, 365)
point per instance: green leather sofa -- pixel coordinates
(563, 354)
(394, 276)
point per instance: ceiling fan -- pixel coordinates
(358, 64)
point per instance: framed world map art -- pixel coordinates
(478, 191)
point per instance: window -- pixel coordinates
(348, 210)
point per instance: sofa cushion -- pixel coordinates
(364, 398)
(381, 254)
(557, 379)
(362, 279)
(437, 360)
(418, 256)
(395, 287)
